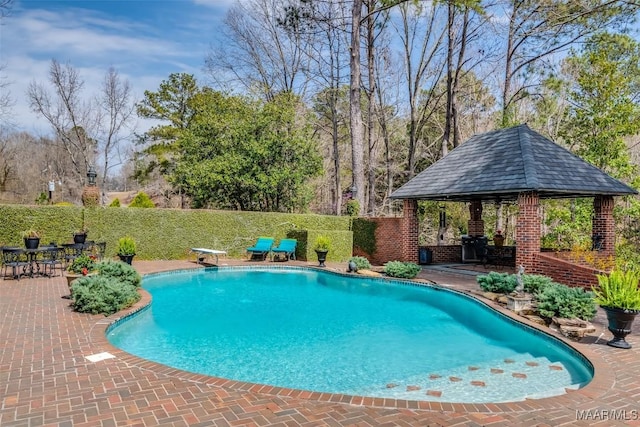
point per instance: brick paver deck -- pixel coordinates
(46, 380)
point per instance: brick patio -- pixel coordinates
(45, 379)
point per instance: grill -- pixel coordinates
(472, 247)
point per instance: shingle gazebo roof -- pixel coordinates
(499, 165)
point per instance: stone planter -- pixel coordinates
(70, 278)
(518, 303)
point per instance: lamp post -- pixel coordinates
(91, 194)
(91, 175)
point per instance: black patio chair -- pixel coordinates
(71, 252)
(52, 258)
(16, 259)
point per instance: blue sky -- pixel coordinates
(145, 40)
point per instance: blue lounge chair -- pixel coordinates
(262, 248)
(286, 247)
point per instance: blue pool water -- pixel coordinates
(320, 331)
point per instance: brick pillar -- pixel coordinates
(475, 224)
(409, 229)
(528, 231)
(603, 223)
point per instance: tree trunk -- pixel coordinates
(355, 110)
(373, 158)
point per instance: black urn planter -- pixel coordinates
(31, 242)
(127, 258)
(322, 256)
(79, 237)
(620, 321)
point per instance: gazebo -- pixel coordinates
(513, 164)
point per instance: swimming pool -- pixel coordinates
(327, 332)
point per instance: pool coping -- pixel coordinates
(602, 381)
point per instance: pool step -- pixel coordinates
(524, 376)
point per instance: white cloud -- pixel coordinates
(91, 42)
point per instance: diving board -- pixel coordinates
(200, 252)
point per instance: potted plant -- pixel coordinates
(498, 239)
(82, 265)
(619, 296)
(31, 239)
(80, 236)
(126, 249)
(322, 246)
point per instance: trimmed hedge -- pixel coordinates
(341, 244)
(170, 233)
(364, 235)
(53, 223)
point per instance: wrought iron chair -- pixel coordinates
(51, 259)
(16, 259)
(71, 252)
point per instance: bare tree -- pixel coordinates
(86, 129)
(6, 101)
(538, 29)
(264, 48)
(73, 119)
(329, 76)
(421, 33)
(117, 112)
(355, 108)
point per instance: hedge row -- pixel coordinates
(170, 233)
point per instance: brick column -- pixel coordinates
(475, 224)
(528, 231)
(409, 231)
(603, 223)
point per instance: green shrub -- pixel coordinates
(352, 207)
(535, 283)
(42, 199)
(142, 201)
(558, 300)
(120, 271)
(619, 289)
(102, 295)
(361, 262)
(404, 270)
(499, 283)
(115, 203)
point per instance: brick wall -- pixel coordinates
(388, 241)
(564, 271)
(446, 253)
